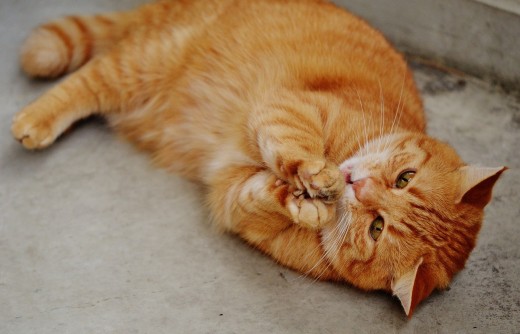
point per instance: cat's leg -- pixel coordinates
(250, 202)
(242, 194)
(290, 136)
(117, 81)
(90, 90)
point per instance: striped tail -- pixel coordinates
(66, 44)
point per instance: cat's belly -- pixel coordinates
(185, 139)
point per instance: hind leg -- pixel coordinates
(246, 198)
(115, 81)
(256, 205)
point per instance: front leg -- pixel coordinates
(290, 137)
(90, 90)
(251, 202)
(255, 194)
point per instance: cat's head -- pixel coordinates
(409, 217)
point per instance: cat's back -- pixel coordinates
(288, 36)
(256, 47)
(246, 49)
(236, 54)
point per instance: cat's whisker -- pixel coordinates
(370, 126)
(325, 253)
(335, 233)
(382, 116)
(338, 241)
(346, 221)
(398, 111)
(364, 120)
(360, 146)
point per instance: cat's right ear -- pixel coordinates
(477, 184)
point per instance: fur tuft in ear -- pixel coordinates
(414, 286)
(477, 184)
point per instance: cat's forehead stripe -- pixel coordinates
(414, 191)
(418, 144)
(395, 231)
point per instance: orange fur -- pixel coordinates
(297, 117)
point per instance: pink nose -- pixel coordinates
(362, 188)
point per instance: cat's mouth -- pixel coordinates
(348, 176)
(349, 195)
(347, 169)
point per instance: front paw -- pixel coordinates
(34, 130)
(320, 179)
(312, 213)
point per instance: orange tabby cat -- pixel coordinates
(302, 122)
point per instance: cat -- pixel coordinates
(303, 124)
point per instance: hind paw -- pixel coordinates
(310, 213)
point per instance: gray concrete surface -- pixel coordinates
(95, 240)
(478, 36)
(512, 6)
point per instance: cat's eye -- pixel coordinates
(404, 178)
(376, 228)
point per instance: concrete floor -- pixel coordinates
(95, 240)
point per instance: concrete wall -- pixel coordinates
(478, 37)
(507, 5)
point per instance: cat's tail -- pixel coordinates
(64, 45)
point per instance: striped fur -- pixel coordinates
(295, 115)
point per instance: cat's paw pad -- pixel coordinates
(31, 131)
(321, 179)
(310, 213)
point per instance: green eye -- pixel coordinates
(404, 178)
(376, 228)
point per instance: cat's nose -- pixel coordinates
(361, 188)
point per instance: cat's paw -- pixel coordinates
(311, 213)
(320, 179)
(33, 130)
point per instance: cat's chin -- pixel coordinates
(349, 196)
(347, 200)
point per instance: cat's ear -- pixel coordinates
(477, 184)
(414, 286)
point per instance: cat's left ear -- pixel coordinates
(413, 287)
(477, 184)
